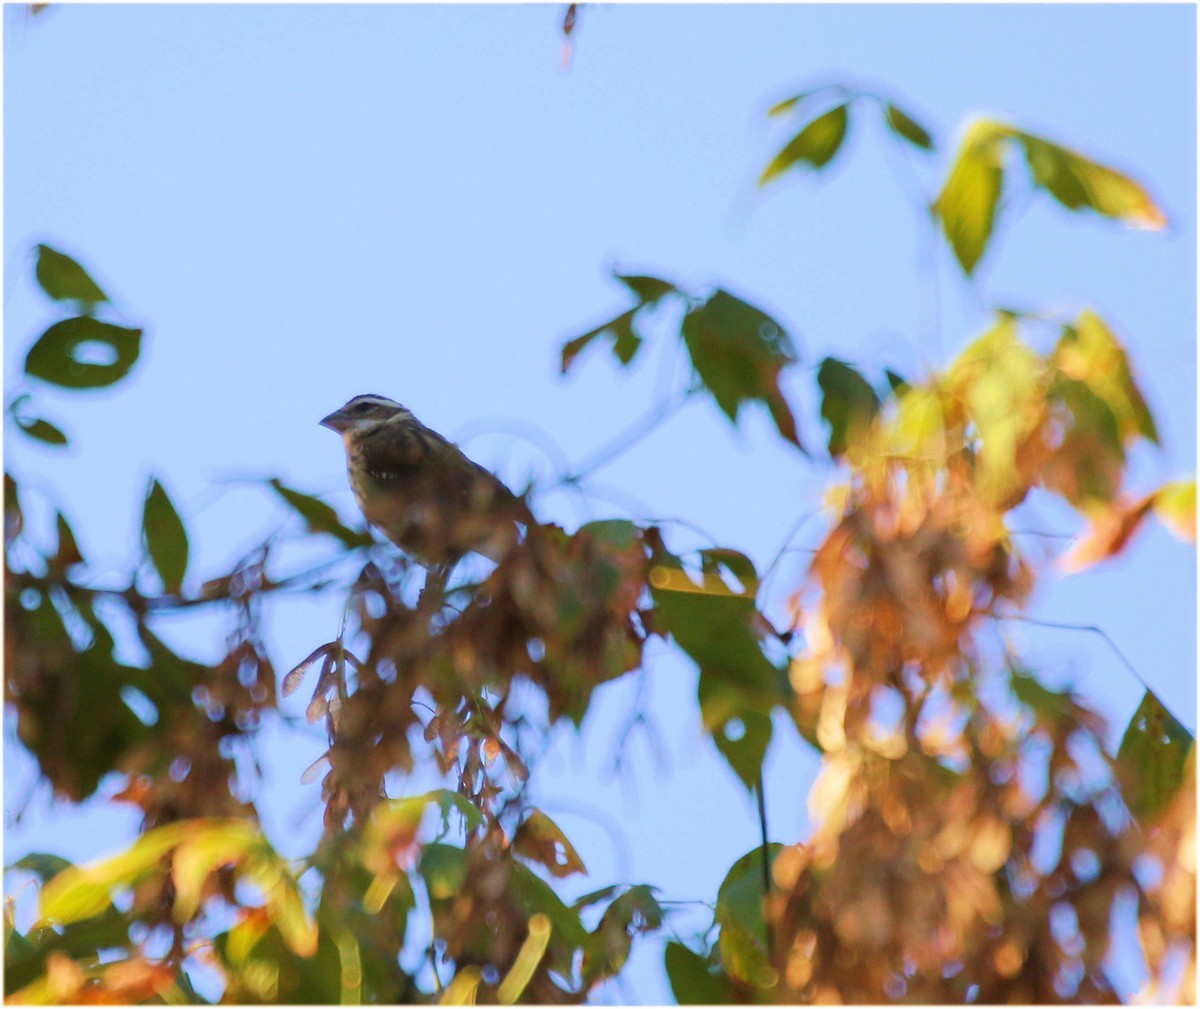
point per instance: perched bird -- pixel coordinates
(419, 489)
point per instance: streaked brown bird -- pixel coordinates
(420, 490)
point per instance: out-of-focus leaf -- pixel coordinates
(779, 108)
(166, 537)
(967, 204)
(1088, 465)
(1078, 182)
(816, 144)
(743, 941)
(41, 430)
(693, 979)
(63, 279)
(897, 383)
(80, 892)
(1175, 506)
(68, 553)
(540, 840)
(742, 738)
(648, 290)
(625, 342)
(448, 802)
(210, 845)
(42, 864)
(999, 380)
(848, 403)
(903, 125)
(1090, 352)
(713, 560)
(1154, 752)
(14, 517)
(319, 516)
(738, 684)
(634, 912)
(738, 352)
(1110, 530)
(443, 868)
(63, 354)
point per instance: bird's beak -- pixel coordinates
(336, 421)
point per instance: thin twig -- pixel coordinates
(1091, 629)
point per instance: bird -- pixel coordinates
(420, 490)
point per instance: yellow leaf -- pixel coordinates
(1175, 506)
(967, 203)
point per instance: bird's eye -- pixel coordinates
(360, 408)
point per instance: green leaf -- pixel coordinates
(713, 560)
(743, 941)
(967, 203)
(1000, 381)
(1078, 183)
(61, 354)
(540, 840)
(319, 516)
(739, 352)
(634, 912)
(816, 144)
(647, 290)
(80, 892)
(63, 279)
(625, 342)
(694, 980)
(779, 108)
(166, 537)
(848, 403)
(1154, 752)
(1090, 352)
(42, 430)
(903, 125)
(742, 739)
(42, 864)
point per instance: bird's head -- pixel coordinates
(365, 413)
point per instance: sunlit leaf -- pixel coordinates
(540, 840)
(743, 941)
(1109, 531)
(815, 145)
(1090, 352)
(1078, 182)
(693, 979)
(1153, 752)
(166, 537)
(848, 403)
(903, 125)
(999, 380)
(63, 279)
(80, 892)
(66, 353)
(1175, 506)
(738, 352)
(209, 846)
(319, 516)
(967, 203)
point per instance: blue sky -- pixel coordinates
(305, 203)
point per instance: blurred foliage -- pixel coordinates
(973, 835)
